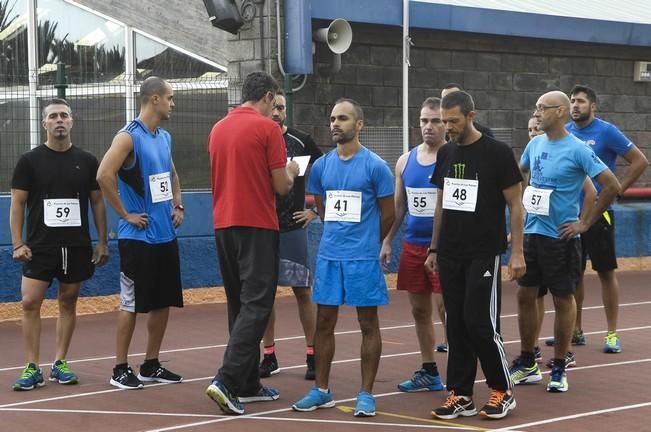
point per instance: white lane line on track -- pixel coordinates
(134, 413)
(574, 416)
(398, 327)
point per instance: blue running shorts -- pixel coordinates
(353, 283)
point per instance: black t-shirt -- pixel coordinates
(49, 174)
(298, 143)
(481, 233)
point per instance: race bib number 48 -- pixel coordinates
(160, 187)
(61, 212)
(421, 202)
(343, 206)
(460, 194)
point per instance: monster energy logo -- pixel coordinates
(459, 170)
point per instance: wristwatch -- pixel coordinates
(180, 207)
(431, 250)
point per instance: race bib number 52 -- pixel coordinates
(160, 187)
(343, 206)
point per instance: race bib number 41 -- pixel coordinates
(343, 206)
(460, 194)
(421, 201)
(61, 212)
(160, 187)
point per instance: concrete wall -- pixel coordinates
(199, 265)
(505, 75)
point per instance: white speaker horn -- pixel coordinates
(338, 35)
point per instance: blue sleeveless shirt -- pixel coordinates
(146, 185)
(420, 194)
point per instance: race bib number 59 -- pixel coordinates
(343, 206)
(62, 212)
(460, 194)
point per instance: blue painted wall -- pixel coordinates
(199, 266)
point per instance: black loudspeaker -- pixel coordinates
(224, 14)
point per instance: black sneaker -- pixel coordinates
(125, 379)
(158, 374)
(455, 406)
(310, 373)
(269, 366)
(499, 404)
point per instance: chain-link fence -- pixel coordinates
(100, 110)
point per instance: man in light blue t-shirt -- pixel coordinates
(353, 190)
(608, 142)
(558, 164)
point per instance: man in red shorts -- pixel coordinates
(415, 198)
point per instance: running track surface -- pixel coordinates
(607, 391)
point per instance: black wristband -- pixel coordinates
(314, 210)
(18, 247)
(431, 250)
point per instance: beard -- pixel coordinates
(580, 117)
(343, 136)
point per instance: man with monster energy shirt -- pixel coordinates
(293, 270)
(476, 177)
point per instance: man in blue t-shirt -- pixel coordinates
(353, 190)
(558, 164)
(608, 142)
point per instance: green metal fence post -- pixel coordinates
(289, 100)
(60, 81)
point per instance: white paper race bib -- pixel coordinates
(421, 202)
(536, 200)
(460, 194)
(160, 187)
(63, 212)
(343, 206)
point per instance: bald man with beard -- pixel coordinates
(557, 163)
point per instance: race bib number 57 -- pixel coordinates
(460, 194)
(343, 206)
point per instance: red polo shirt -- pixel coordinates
(244, 147)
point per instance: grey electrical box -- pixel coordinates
(642, 71)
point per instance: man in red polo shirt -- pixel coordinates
(249, 165)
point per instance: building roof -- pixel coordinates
(598, 21)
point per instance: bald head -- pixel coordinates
(555, 98)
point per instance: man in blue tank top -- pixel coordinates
(415, 198)
(608, 142)
(139, 181)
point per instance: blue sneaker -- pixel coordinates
(30, 378)
(314, 399)
(365, 406)
(263, 395)
(61, 372)
(558, 381)
(521, 373)
(224, 398)
(422, 381)
(442, 348)
(611, 343)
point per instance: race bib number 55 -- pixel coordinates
(421, 201)
(343, 206)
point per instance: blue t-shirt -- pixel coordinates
(152, 165)
(415, 175)
(561, 165)
(604, 139)
(367, 173)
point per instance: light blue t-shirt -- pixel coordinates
(367, 173)
(561, 165)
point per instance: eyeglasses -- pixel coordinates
(543, 108)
